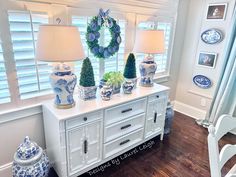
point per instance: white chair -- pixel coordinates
(217, 159)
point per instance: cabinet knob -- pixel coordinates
(85, 118)
(157, 96)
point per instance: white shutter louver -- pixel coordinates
(4, 89)
(32, 75)
(116, 62)
(100, 66)
(82, 23)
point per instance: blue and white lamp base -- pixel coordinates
(63, 83)
(147, 71)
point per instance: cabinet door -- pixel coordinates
(155, 117)
(75, 149)
(93, 143)
(159, 114)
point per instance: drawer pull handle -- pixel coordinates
(157, 96)
(124, 142)
(85, 118)
(85, 146)
(155, 117)
(126, 126)
(126, 110)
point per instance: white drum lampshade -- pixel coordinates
(148, 42)
(57, 43)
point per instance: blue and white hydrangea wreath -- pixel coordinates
(92, 35)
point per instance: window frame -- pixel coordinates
(65, 13)
(8, 53)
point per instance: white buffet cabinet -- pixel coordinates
(95, 131)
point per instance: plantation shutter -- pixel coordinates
(82, 23)
(32, 75)
(4, 89)
(117, 62)
(161, 59)
(100, 66)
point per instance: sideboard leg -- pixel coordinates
(162, 135)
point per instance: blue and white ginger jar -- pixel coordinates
(30, 160)
(63, 82)
(147, 71)
(128, 86)
(106, 92)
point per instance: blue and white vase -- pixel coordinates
(147, 71)
(128, 86)
(106, 92)
(63, 82)
(30, 160)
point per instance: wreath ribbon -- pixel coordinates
(104, 15)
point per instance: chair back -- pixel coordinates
(224, 124)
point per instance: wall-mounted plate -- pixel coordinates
(202, 81)
(212, 36)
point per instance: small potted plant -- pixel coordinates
(114, 79)
(130, 70)
(87, 88)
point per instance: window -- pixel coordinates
(29, 80)
(161, 59)
(32, 75)
(100, 66)
(4, 89)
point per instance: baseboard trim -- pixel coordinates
(233, 132)
(189, 110)
(5, 170)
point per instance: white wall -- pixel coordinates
(177, 47)
(190, 99)
(14, 126)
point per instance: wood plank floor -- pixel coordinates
(183, 153)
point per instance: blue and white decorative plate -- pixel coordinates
(212, 36)
(202, 81)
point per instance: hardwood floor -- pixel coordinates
(183, 153)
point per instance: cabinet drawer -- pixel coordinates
(124, 111)
(120, 144)
(83, 119)
(122, 128)
(161, 95)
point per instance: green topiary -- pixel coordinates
(130, 68)
(87, 75)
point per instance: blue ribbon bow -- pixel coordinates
(103, 15)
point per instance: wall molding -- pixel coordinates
(5, 170)
(20, 113)
(190, 111)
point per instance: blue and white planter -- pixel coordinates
(128, 86)
(30, 160)
(63, 82)
(106, 92)
(87, 93)
(147, 71)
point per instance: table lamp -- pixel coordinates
(149, 42)
(57, 43)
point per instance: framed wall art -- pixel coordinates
(207, 59)
(212, 36)
(216, 11)
(202, 81)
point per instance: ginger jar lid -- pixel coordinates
(28, 151)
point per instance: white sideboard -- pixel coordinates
(95, 131)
